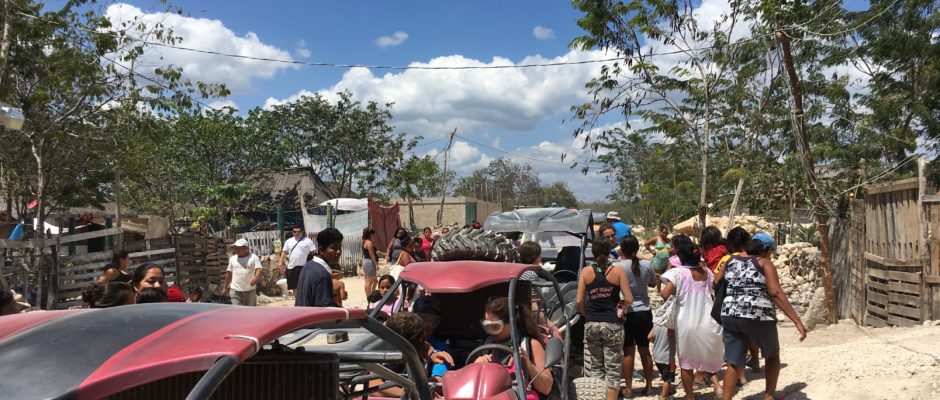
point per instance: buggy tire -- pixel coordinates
(587, 389)
(474, 244)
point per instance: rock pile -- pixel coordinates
(750, 222)
(798, 267)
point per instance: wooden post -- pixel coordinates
(71, 232)
(54, 275)
(109, 240)
(925, 295)
(450, 143)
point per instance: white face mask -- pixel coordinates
(492, 327)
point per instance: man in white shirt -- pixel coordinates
(244, 270)
(295, 253)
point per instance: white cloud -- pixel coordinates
(209, 34)
(271, 102)
(543, 33)
(220, 104)
(431, 103)
(396, 39)
(301, 50)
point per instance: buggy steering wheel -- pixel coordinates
(499, 348)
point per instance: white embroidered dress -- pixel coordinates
(699, 342)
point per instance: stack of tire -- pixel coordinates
(474, 244)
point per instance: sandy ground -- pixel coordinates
(846, 361)
(842, 361)
(354, 288)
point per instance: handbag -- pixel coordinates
(665, 315)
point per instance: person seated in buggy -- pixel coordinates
(412, 327)
(531, 351)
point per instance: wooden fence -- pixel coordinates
(262, 243)
(201, 261)
(43, 266)
(889, 256)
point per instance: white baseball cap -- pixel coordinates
(241, 243)
(613, 215)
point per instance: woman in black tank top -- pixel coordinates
(117, 271)
(599, 290)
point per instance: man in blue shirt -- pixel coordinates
(315, 285)
(622, 229)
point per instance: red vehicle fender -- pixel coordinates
(478, 381)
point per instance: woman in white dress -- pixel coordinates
(698, 337)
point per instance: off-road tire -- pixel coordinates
(587, 389)
(474, 244)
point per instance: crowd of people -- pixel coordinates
(701, 331)
(718, 311)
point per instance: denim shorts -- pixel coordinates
(739, 331)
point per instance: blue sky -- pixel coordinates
(516, 111)
(522, 112)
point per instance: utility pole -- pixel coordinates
(440, 211)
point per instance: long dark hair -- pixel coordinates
(630, 245)
(711, 237)
(600, 247)
(367, 233)
(687, 251)
(499, 306)
(738, 239)
(104, 295)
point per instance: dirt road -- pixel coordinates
(842, 361)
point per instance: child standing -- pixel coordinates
(664, 356)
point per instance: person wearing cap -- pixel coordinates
(747, 312)
(622, 229)
(244, 270)
(295, 252)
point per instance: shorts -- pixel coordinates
(739, 331)
(293, 276)
(667, 372)
(368, 267)
(603, 352)
(246, 298)
(636, 327)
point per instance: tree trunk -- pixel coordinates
(734, 204)
(819, 207)
(702, 205)
(411, 215)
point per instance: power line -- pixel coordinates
(442, 68)
(160, 84)
(844, 31)
(388, 67)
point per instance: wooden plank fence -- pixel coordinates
(895, 261)
(190, 261)
(262, 243)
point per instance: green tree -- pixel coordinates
(507, 182)
(559, 193)
(415, 178)
(678, 102)
(347, 143)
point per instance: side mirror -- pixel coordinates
(554, 351)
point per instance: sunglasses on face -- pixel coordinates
(492, 327)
